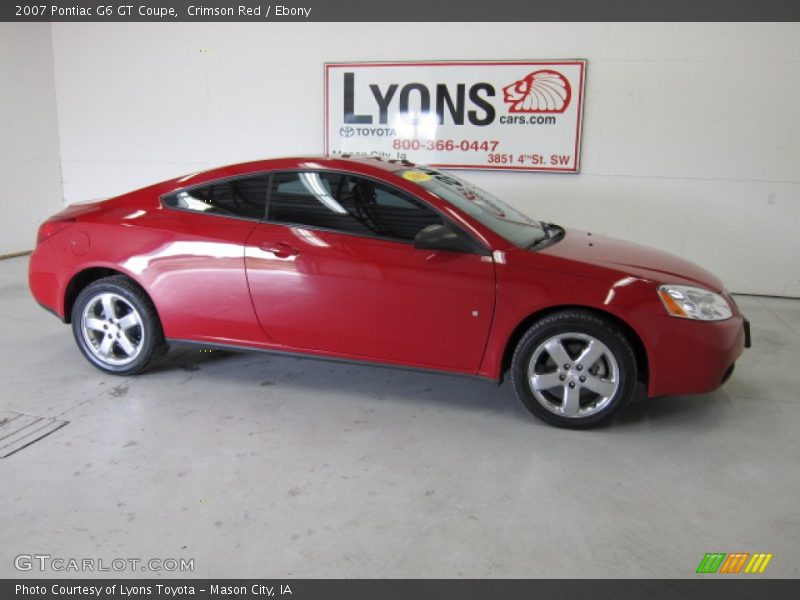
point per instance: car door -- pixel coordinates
(334, 270)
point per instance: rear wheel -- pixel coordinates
(574, 369)
(116, 326)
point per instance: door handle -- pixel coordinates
(279, 249)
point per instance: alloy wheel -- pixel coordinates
(573, 375)
(113, 329)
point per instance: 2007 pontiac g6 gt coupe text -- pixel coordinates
(390, 263)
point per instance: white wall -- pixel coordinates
(30, 168)
(691, 133)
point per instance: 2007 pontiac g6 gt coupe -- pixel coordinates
(385, 262)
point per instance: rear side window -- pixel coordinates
(244, 197)
(349, 204)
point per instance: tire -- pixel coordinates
(117, 327)
(574, 369)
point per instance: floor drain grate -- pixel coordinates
(18, 430)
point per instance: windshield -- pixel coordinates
(490, 211)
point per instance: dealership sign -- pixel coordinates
(522, 115)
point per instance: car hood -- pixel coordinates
(632, 259)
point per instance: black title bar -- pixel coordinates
(403, 10)
(700, 588)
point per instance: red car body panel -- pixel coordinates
(262, 285)
(371, 298)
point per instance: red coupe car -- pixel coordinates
(385, 262)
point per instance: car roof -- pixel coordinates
(365, 165)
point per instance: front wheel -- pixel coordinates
(116, 326)
(574, 369)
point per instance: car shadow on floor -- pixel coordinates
(275, 373)
(190, 358)
(381, 383)
(705, 409)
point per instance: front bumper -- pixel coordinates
(692, 357)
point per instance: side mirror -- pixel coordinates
(441, 237)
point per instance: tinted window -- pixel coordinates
(244, 197)
(489, 210)
(347, 203)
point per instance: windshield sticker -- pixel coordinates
(416, 176)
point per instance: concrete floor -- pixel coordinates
(255, 465)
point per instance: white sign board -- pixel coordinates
(521, 115)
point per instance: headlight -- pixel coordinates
(694, 303)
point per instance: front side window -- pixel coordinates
(517, 228)
(349, 204)
(244, 197)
